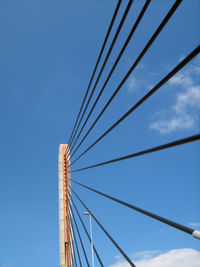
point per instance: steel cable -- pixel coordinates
(80, 239)
(104, 230)
(76, 244)
(104, 63)
(71, 230)
(147, 151)
(194, 53)
(99, 57)
(70, 238)
(88, 236)
(150, 214)
(73, 254)
(112, 70)
(152, 39)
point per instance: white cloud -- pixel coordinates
(177, 122)
(181, 115)
(189, 98)
(132, 84)
(181, 79)
(185, 257)
(195, 224)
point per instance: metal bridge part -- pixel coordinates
(95, 68)
(110, 74)
(196, 234)
(105, 231)
(65, 240)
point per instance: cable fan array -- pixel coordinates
(82, 120)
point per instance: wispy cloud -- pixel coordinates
(146, 254)
(185, 257)
(134, 84)
(181, 79)
(189, 98)
(136, 81)
(166, 126)
(195, 224)
(182, 114)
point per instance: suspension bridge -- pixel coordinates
(70, 239)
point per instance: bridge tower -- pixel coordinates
(65, 221)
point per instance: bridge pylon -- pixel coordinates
(65, 221)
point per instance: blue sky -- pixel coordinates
(48, 52)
